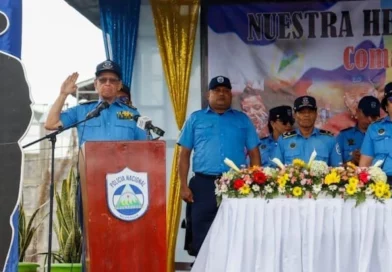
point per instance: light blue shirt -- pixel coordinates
(214, 137)
(350, 139)
(267, 151)
(292, 145)
(108, 126)
(378, 143)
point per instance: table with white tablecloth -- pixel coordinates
(298, 235)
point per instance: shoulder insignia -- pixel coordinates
(130, 106)
(88, 102)
(289, 134)
(326, 132)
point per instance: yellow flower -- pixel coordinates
(379, 192)
(387, 194)
(297, 191)
(244, 190)
(282, 180)
(351, 165)
(298, 162)
(380, 185)
(372, 187)
(351, 188)
(332, 177)
(353, 181)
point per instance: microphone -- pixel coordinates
(97, 111)
(144, 122)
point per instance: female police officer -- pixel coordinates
(377, 144)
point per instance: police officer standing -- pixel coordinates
(377, 144)
(214, 133)
(114, 123)
(350, 139)
(280, 120)
(300, 143)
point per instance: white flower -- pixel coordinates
(332, 187)
(223, 188)
(312, 157)
(281, 190)
(303, 182)
(368, 191)
(231, 164)
(317, 188)
(217, 191)
(269, 171)
(255, 187)
(377, 174)
(268, 189)
(319, 168)
(278, 163)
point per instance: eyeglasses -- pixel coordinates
(111, 80)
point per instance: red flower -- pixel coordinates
(259, 177)
(238, 183)
(363, 177)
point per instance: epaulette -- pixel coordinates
(326, 132)
(88, 102)
(130, 106)
(289, 134)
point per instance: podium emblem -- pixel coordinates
(127, 194)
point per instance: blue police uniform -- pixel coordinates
(350, 139)
(267, 149)
(213, 137)
(292, 145)
(114, 123)
(378, 143)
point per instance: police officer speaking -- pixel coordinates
(115, 122)
(300, 143)
(214, 133)
(377, 144)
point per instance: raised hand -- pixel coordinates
(69, 85)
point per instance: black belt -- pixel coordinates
(208, 176)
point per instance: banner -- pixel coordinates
(337, 52)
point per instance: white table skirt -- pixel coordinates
(290, 235)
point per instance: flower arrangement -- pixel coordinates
(302, 179)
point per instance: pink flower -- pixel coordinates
(303, 182)
(302, 176)
(309, 182)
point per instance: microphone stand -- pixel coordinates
(53, 138)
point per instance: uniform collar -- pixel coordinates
(209, 109)
(314, 132)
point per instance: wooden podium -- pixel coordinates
(124, 205)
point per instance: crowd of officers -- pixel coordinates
(218, 132)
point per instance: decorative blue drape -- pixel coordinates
(120, 24)
(11, 43)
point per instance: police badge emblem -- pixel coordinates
(127, 194)
(220, 79)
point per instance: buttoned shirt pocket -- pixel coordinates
(203, 131)
(291, 153)
(95, 122)
(323, 153)
(380, 145)
(239, 132)
(124, 129)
